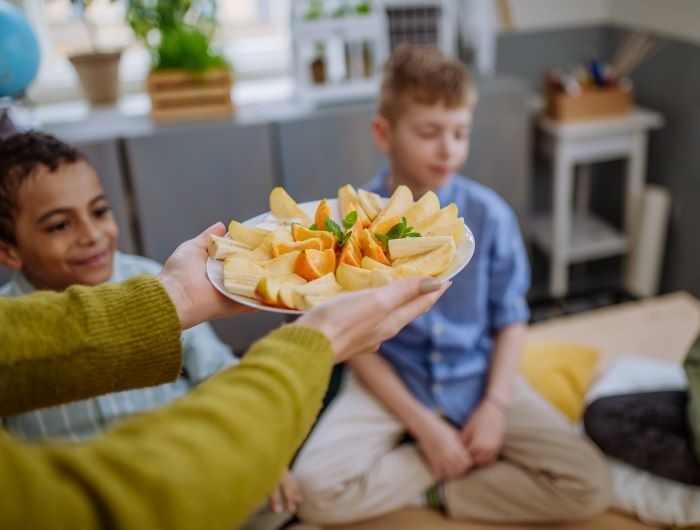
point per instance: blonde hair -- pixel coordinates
(422, 74)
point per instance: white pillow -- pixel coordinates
(632, 374)
(652, 499)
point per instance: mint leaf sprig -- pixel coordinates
(398, 231)
(333, 227)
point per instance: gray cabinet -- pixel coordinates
(188, 177)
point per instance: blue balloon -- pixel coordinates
(19, 51)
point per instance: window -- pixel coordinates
(254, 34)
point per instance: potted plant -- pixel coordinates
(188, 77)
(97, 69)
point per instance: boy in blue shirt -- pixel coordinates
(482, 445)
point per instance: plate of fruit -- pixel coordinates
(299, 255)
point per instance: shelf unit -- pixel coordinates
(339, 58)
(571, 234)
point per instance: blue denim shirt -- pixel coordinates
(443, 356)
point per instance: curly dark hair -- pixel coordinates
(21, 154)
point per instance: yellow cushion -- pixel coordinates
(561, 372)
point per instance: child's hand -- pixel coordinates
(484, 432)
(287, 496)
(442, 447)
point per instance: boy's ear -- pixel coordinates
(9, 257)
(381, 132)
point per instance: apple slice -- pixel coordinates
(269, 290)
(399, 202)
(246, 235)
(283, 206)
(373, 264)
(282, 265)
(356, 278)
(349, 200)
(371, 203)
(445, 216)
(425, 207)
(455, 229)
(326, 285)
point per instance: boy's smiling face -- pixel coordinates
(65, 232)
(426, 144)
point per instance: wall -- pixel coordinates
(556, 33)
(537, 15)
(670, 82)
(677, 18)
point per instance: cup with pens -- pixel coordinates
(596, 89)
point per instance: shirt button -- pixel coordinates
(437, 329)
(437, 388)
(435, 357)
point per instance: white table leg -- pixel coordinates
(561, 222)
(635, 176)
(635, 171)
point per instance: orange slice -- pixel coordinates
(323, 210)
(301, 233)
(312, 264)
(282, 247)
(351, 254)
(372, 248)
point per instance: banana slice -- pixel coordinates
(412, 246)
(431, 263)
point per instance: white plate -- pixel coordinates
(215, 269)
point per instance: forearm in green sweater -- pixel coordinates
(205, 461)
(59, 347)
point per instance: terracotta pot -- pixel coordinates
(99, 76)
(318, 71)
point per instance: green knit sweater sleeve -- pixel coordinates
(59, 347)
(204, 461)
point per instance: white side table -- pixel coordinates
(571, 234)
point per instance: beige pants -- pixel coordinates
(351, 467)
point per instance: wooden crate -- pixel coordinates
(180, 95)
(591, 103)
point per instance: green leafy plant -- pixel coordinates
(398, 231)
(314, 11)
(363, 8)
(177, 33)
